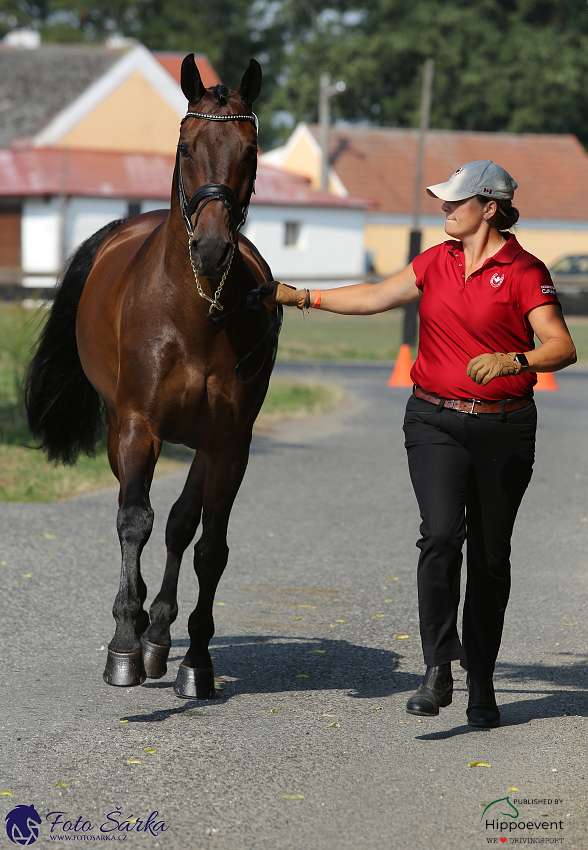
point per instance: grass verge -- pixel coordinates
(326, 336)
(25, 474)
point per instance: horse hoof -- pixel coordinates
(154, 659)
(195, 683)
(124, 669)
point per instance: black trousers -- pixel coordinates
(469, 474)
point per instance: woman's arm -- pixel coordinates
(557, 349)
(361, 299)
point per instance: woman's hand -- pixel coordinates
(556, 351)
(281, 293)
(485, 367)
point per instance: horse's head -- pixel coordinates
(217, 155)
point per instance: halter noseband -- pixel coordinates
(237, 215)
(213, 191)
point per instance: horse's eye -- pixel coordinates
(183, 149)
(252, 153)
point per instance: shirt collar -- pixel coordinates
(505, 255)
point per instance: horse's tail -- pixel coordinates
(63, 408)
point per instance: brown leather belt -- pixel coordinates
(471, 405)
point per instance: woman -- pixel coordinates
(470, 423)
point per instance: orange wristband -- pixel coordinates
(317, 299)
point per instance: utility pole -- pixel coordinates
(411, 310)
(326, 91)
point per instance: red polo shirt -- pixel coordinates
(460, 319)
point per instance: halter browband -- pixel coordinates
(211, 117)
(214, 191)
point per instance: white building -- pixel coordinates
(60, 197)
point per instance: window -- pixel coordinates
(292, 232)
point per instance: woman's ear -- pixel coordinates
(490, 208)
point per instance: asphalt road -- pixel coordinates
(319, 587)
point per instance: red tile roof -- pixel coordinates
(50, 171)
(275, 186)
(380, 163)
(172, 62)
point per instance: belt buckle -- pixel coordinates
(470, 412)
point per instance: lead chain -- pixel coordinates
(214, 302)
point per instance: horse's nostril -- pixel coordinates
(225, 256)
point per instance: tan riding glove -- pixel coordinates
(281, 293)
(485, 367)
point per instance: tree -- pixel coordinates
(500, 65)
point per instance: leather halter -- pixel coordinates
(237, 216)
(214, 191)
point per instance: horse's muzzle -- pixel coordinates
(211, 256)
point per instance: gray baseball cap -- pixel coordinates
(482, 177)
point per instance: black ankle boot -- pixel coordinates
(435, 691)
(482, 710)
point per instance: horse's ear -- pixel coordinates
(192, 86)
(250, 84)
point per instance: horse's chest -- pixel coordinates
(201, 405)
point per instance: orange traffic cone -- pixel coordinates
(546, 381)
(400, 376)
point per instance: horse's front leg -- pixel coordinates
(138, 451)
(195, 677)
(180, 530)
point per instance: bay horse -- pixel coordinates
(149, 324)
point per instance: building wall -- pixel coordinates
(329, 250)
(387, 239)
(52, 229)
(389, 242)
(133, 118)
(303, 159)
(158, 204)
(41, 238)
(550, 244)
(84, 216)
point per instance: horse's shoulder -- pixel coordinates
(258, 266)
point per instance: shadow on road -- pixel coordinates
(257, 664)
(280, 664)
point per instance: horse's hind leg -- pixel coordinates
(196, 676)
(137, 455)
(179, 533)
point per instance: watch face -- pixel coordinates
(520, 358)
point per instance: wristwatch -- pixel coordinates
(522, 359)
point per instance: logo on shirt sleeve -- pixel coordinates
(548, 290)
(496, 280)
